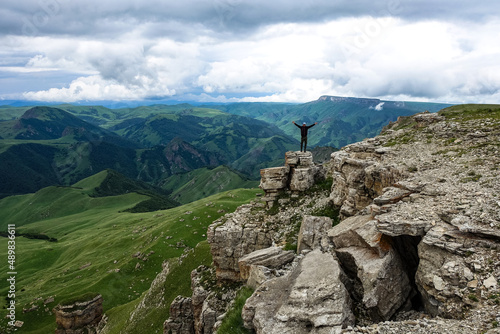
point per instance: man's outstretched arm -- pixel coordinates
(310, 126)
(296, 124)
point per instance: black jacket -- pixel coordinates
(303, 129)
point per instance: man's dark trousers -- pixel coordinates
(303, 140)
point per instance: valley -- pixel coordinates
(102, 248)
(106, 200)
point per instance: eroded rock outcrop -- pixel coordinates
(80, 317)
(378, 280)
(298, 175)
(435, 202)
(313, 233)
(235, 237)
(419, 235)
(249, 228)
(359, 175)
(272, 257)
(199, 314)
(310, 299)
(181, 319)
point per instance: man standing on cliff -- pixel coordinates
(303, 133)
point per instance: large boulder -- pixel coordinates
(310, 299)
(79, 317)
(298, 159)
(304, 178)
(378, 279)
(275, 178)
(181, 319)
(313, 233)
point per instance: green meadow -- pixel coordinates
(102, 249)
(206, 181)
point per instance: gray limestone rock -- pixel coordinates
(272, 257)
(79, 317)
(313, 233)
(258, 275)
(420, 220)
(298, 159)
(181, 320)
(310, 299)
(378, 277)
(302, 179)
(234, 239)
(274, 178)
(359, 177)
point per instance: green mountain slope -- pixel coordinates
(26, 168)
(46, 123)
(100, 248)
(60, 146)
(8, 113)
(48, 146)
(343, 120)
(40, 123)
(203, 182)
(55, 201)
(244, 143)
(115, 184)
(114, 119)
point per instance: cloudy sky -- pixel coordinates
(250, 50)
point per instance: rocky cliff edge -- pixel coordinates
(417, 248)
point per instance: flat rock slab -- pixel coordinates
(298, 159)
(272, 257)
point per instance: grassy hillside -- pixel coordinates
(26, 167)
(48, 123)
(472, 111)
(52, 146)
(203, 182)
(342, 121)
(100, 190)
(74, 142)
(8, 113)
(100, 248)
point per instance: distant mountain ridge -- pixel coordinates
(47, 145)
(40, 123)
(348, 99)
(344, 120)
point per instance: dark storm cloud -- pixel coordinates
(40, 17)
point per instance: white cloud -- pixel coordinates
(378, 107)
(294, 59)
(95, 88)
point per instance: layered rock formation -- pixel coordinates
(80, 317)
(298, 175)
(437, 190)
(249, 229)
(181, 319)
(417, 248)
